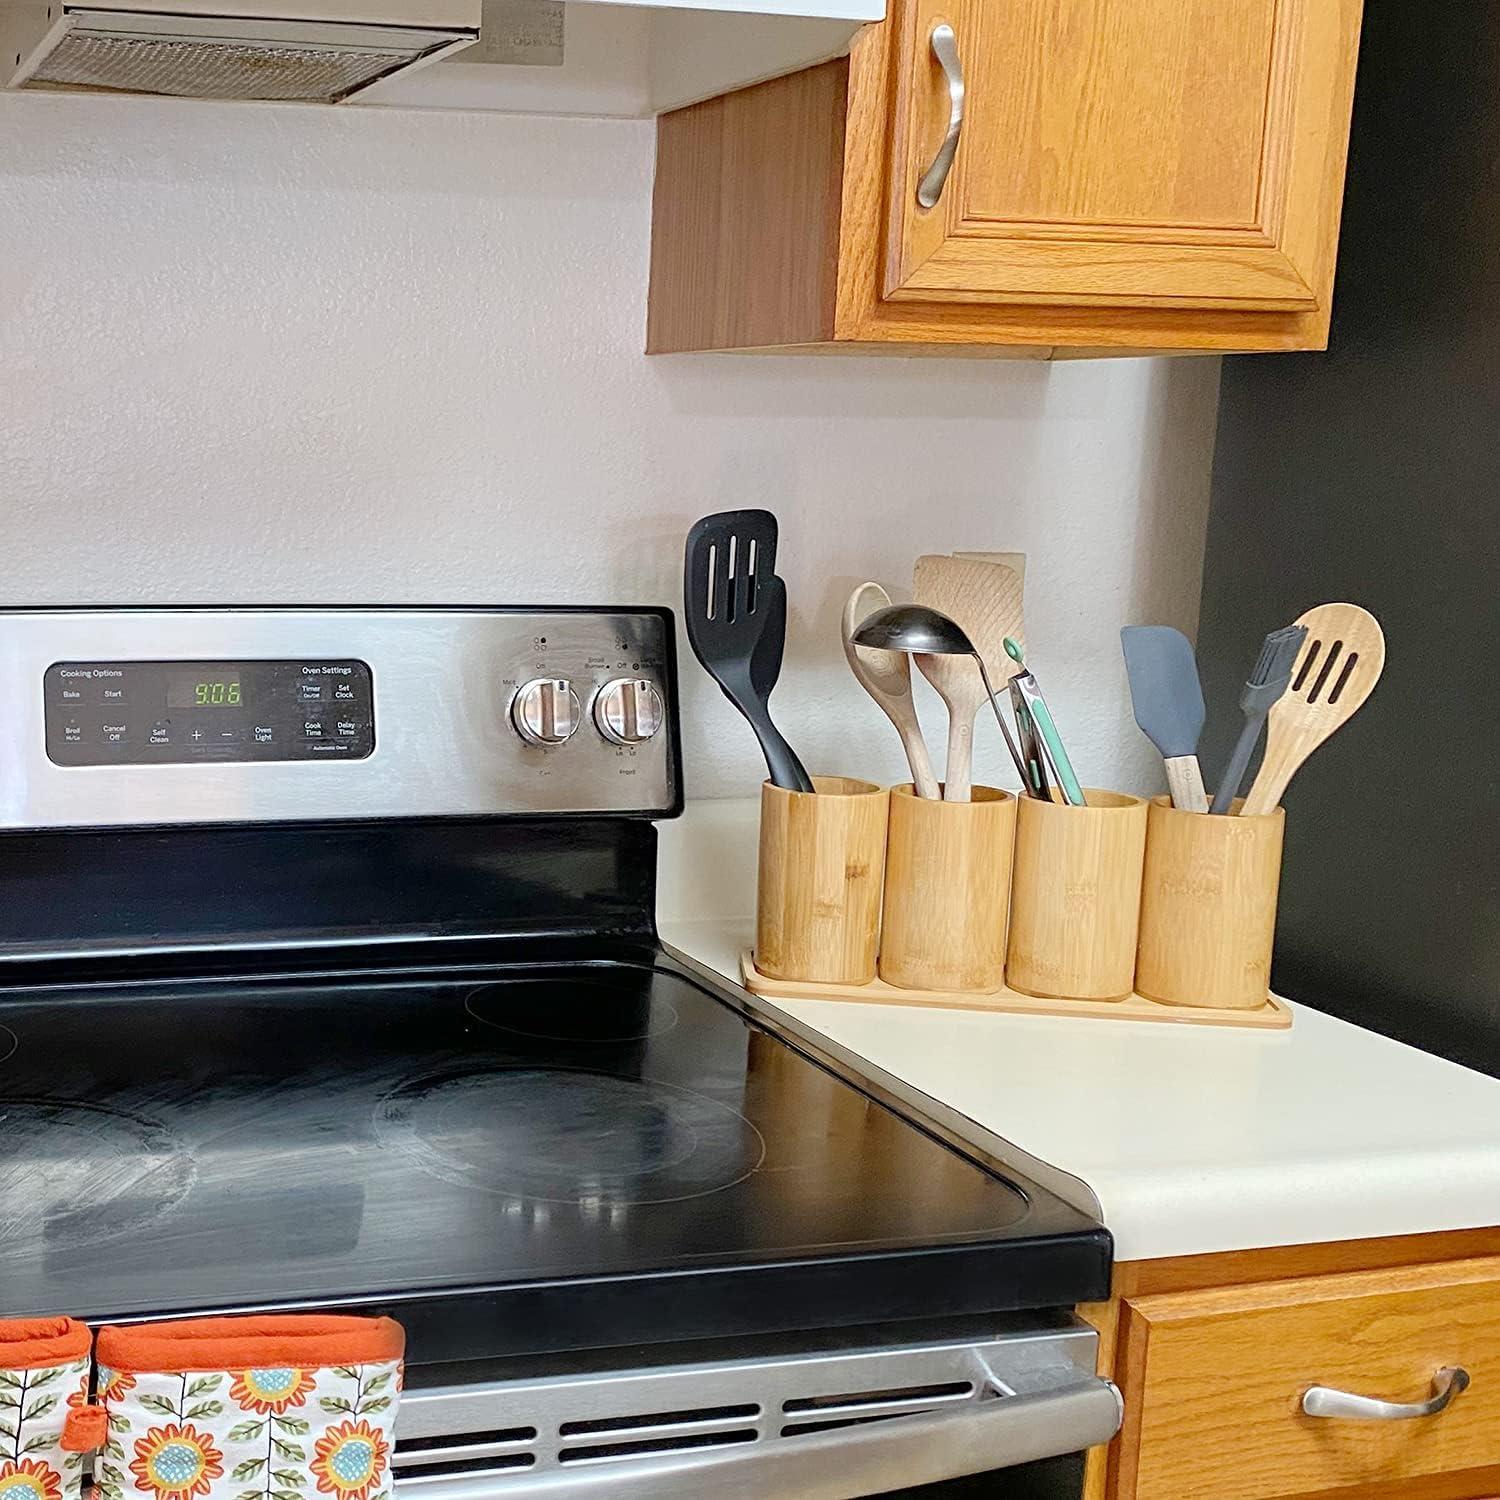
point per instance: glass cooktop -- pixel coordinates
(410, 1141)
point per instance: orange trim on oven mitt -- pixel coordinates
(251, 1342)
(292, 1407)
(44, 1382)
(32, 1343)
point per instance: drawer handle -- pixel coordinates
(1324, 1401)
(944, 46)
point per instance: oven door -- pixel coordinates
(1006, 1417)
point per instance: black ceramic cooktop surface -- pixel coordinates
(507, 1159)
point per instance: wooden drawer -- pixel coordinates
(1215, 1381)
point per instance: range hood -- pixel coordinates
(316, 51)
(623, 58)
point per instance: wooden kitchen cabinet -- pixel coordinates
(1131, 175)
(1213, 1355)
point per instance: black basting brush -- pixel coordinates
(1273, 671)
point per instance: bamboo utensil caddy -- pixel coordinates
(1208, 907)
(947, 885)
(1070, 876)
(1076, 897)
(822, 868)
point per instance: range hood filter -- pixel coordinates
(215, 57)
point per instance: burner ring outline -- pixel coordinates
(104, 1209)
(696, 1115)
(668, 1012)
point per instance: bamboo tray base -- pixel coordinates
(1274, 1015)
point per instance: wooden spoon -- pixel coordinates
(1340, 664)
(886, 677)
(984, 598)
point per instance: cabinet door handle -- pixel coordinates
(944, 46)
(1324, 1401)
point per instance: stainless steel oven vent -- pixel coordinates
(847, 1408)
(524, 1436)
(318, 59)
(639, 1434)
(625, 1435)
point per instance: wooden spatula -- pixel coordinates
(985, 599)
(1340, 664)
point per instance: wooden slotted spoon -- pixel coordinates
(1340, 664)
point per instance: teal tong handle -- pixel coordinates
(1053, 741)
(1025, 684)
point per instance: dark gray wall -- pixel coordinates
(1372, 473)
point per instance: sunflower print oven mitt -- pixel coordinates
(44, 1375)
(254, 1408)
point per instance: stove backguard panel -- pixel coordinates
(278, 778)
(221, 890)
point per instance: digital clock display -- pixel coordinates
(218, 690)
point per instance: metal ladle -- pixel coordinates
(920, 631)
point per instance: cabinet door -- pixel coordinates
(1118, 153)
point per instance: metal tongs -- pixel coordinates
(1042, 753)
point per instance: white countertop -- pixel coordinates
(1189, 1139)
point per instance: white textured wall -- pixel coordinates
(280, 354)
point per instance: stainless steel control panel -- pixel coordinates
(137, 716)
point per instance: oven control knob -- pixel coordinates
(546, 711)
(628, 710)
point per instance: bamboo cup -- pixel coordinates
(947, 886)
(1208, 907)
(822, 865)
(1076, 897)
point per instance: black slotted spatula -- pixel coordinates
(734, 609)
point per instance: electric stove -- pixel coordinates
(329, 978)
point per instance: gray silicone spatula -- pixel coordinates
(1168, 701)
